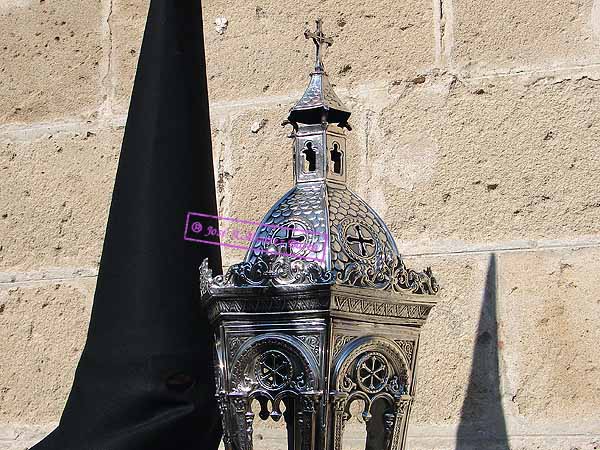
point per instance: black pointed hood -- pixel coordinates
(145, 377)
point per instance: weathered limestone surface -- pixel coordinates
(51, 56)
(55, 192)
(496, 160)
(476, 368)
(550, 309)
(476, 131)
(42, 333)
(444, 161)
(22, 437)
(499, 36)
(446, 348)
(263, 50)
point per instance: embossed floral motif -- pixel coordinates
(397, 386)
(347, 384)
(299, 382)
(235, 342)
(205, 277)
(272, 270)
(407, 348)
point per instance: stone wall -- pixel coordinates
(476, 135)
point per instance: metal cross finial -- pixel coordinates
(319, 39)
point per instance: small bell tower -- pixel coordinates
(319, 119)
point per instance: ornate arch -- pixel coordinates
(273, 368)
(355, 349)
(272, 363)
(370, 369)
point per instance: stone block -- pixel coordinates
(448, 339)
(50, 60)
(498, 348)
(22, 437)
(550, 312)
(42, 333)
(454, 163)
(263, 51)
(55, 193)
(508, 36)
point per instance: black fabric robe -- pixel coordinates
(145, 378)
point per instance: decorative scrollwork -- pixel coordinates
(341, 417)
(339, 342)
(206, 277)
(397, 386)
(389, 273)
(403, 405)
(235, 342)
(243, 418)
(299, 383)
(223, 405)
(266, 270)
(313, 343)
(247, 384)
(279, 270)
(407, 347)
(347, 385)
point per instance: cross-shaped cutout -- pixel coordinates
(319, 39)
(360, 241)
(291, 240)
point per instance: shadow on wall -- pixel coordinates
(482, 424)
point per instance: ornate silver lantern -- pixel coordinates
(323, 311)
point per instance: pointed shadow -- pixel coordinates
(482, 424)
